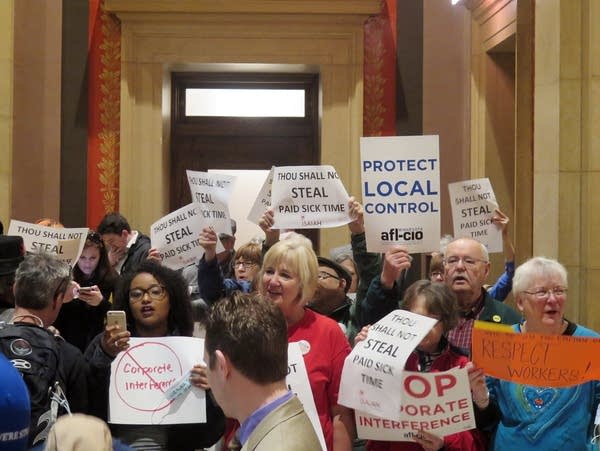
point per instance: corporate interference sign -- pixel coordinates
(401, 186)
(437, 402)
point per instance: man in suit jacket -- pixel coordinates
(246, 351)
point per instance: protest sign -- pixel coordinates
(401, 180)
(212, 191)
(59, 242)
(297, 381)
(177, 236)
(473, 204)
(263, 199)
(535, 359)
(371, 379)
(142, 375)
(308, 197)
(438, 402)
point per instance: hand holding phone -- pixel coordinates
(116, 317)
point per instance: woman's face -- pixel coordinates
(245, 269)
(350, 267)
(431, 341)
(150, 310)
(282, 286)
(543, 310)
(88, 261)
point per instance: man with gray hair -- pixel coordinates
(466, 268)
(55, 371)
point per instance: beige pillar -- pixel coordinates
(567, 147)
(7, 13)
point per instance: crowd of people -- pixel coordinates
(254, 301)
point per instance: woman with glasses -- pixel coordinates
(156, 303)
(246, 264)
(80, 320)
(543, 418)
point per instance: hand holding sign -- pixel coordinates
(396, 260)
(208, 240)
(356, 212)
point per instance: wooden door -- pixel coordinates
(200, 143)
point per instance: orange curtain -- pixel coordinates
(104, 91)
(380, 72)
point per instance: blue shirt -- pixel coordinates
(258, 415)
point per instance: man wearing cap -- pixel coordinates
(331, 297)
(12, 252)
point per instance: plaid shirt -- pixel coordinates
(460, 336)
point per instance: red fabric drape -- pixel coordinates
(104, 92)
(380, 72)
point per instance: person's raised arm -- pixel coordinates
(503, 285)
(501, 220)
(208, 241)
(396, 260)
(265, 222)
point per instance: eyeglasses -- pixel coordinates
(154, 292)
(543, 294)
(469, 262)
(245, 265)
(437, 274)
(322, 275)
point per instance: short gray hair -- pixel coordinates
(39, 279)
(534, 267)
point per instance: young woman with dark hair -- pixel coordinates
(81, 319)
(156, 302)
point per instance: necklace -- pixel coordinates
(36, 319)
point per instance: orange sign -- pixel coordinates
(534, 359)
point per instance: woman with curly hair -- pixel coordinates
(156, 302)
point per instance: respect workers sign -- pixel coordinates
(142, 375)
(438, 402)
(297, 381)
(473, 204)
(535, 359)
(371, 379)
(308, 197)
(212, 191)
(66, 243)
(177, 236)
(401, 186)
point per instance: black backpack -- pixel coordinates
(34, 351)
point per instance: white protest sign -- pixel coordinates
(263, 199)
(297, 381)
(141, 375)
(438, 402)
(59, 242)
(371, 379)
(473, 204)
(212, 191)
(177, 236)
(401, 185)
(307, 197)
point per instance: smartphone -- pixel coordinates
(116, 317)
(85, 289)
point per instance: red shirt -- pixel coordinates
(324, 347)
